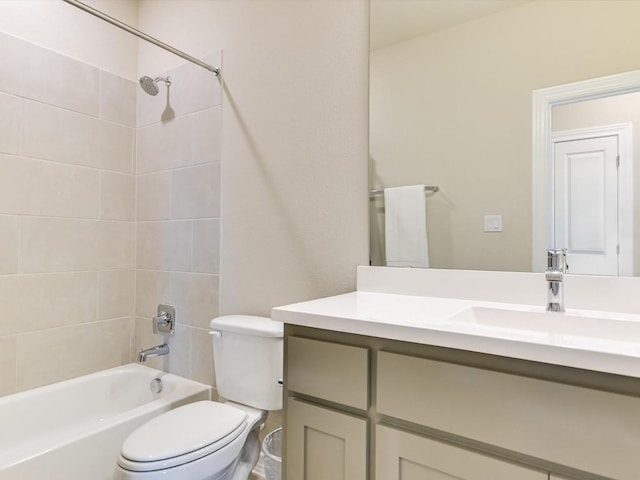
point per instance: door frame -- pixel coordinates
(543, 100)
(624, 133)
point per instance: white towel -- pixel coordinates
(405, 227)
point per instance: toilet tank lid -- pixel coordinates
(248, 325)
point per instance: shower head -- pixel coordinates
(150, 85)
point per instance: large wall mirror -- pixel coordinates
(452, 100)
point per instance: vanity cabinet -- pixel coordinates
(581, 428)
(370, 408)
(328, 397)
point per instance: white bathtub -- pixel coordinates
(73, 430)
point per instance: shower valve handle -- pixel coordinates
(165, 321)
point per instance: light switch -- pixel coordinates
(493, 223)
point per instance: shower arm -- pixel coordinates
(142, 35)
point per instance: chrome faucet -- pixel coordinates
(556, 268)
(153, 352)
(165, 324)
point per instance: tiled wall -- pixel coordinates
(67, 217)
(109, 205)
(178, 216)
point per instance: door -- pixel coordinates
(406, 456)
(586, 203)
(323, 444)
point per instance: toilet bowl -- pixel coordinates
(199, 441)
(209, 440)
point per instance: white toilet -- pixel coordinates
(211, 440)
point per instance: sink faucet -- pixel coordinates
(556, 268)
(153, 352)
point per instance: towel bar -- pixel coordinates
(380, 191)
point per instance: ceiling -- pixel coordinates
(394, 21)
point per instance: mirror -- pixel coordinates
(451, 105)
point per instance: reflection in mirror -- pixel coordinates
(451, 105)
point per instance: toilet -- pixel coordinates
(212, 440)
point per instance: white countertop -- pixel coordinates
(603, 342)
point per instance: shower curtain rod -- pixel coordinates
(142, 35)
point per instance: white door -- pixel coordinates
(586, 203)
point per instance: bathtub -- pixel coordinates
(73, 430)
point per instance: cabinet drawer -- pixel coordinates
(586, 429)
(405, 456)
(330, 371)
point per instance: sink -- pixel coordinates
(592, 325)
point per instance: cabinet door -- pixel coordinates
(405, 456)
(323, 444)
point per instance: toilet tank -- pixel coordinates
(247, 354)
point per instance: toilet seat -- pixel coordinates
(182, 435)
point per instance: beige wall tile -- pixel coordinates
(10, 119)
(179, 361)
(56, 134)
(195, 88)
(61, 80)
(36, 187)
(12, 64)
(117, 196)
(35, 302)
(164, 245)
(116, 245)
(58, 80)
(8, 365)
(152, 289)
(206, 246)
(58, 245)
(53, 133)
(14, 176)
(78, 350)
(116, 294)
(153, 192)
(62, 190)
(8, 244)
(116, 147)
(117, 99)
(163, 146)
(196, 192)
(202, 369)
(207, 132)
(62, 245)
(195, 296)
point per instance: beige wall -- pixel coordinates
(65, 29)
(454, 109)
(294, 140)
(66, 216)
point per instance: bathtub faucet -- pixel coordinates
(153, 352)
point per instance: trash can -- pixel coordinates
(272, 449)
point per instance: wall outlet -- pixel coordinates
(493, 223)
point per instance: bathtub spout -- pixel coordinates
(153, 352)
